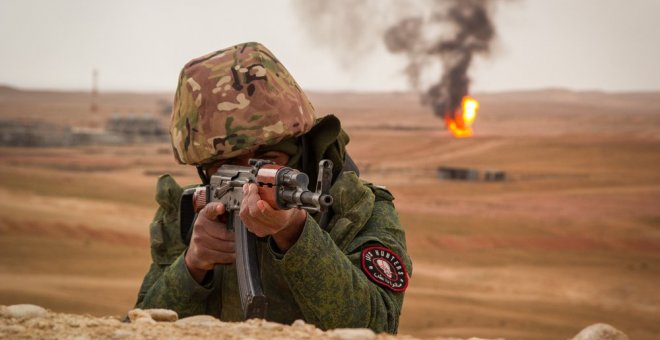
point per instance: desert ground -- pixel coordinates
(571, 238)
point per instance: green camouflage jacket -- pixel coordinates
(353, 274)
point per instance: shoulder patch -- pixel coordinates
(385, 268)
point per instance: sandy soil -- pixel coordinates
(570, 239)
(165, 324)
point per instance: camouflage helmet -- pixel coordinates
(232, 101)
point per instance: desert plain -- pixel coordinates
(570, 238)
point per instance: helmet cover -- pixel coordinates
(232, 101)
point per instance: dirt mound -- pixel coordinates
(34, 322)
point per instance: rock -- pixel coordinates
(80, 337)
(38, 323)
(144, 321)
(26, 311)
(122, 333)
(272, 326)
(254, 322)
(600, 331)
(163, 314)
(243, 327)
(303, 326)
(352, 333)
(136, 314)
(199, 320)
(109, 320)
(12, 329)
(4, 312)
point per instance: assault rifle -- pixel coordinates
(282, 187)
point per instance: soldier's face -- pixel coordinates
(278, 157)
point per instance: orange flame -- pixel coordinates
(460, 124)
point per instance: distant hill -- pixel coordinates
(548, 111)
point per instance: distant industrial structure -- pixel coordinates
(16, 133)
(94, 107)
(118, 130)
(467, 174)
(137, 129)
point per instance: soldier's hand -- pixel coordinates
(211, 243)
(260, 218)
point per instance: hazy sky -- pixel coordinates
(611, 45)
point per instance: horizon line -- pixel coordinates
(337, 91)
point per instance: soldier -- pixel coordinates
(348, 270)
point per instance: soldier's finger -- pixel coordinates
(271, 217)
(250, 199)
(214, 230)
(266, 211)
(197, 261)
(202, 224)
(247, 205)
(212, 210)
(218, 245)
(216, 257)
(259, 229)
(203, 220)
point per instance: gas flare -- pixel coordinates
(460, 122)
(438, 38)
(463, 29)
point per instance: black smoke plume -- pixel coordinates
(429, 33)
(471, 33)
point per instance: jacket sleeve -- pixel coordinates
(328, 282)
(168, 283)
(174, 288)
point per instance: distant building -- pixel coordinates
(118, 130)
(95, 136)
(467, 174)
(136, 129)
(458, 174)
(33, 134)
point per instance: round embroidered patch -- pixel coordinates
(385, 268)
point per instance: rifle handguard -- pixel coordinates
(282, 187)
